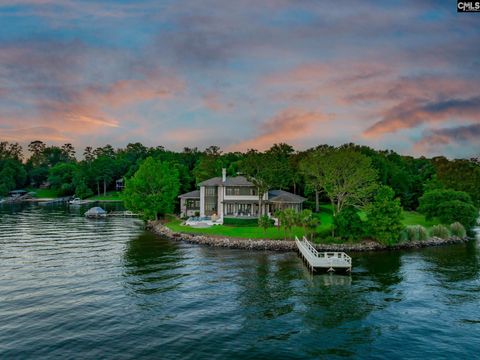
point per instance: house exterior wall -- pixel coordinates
(234, 205)
(184, 211)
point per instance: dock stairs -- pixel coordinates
(330, 260)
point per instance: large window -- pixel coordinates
(192, 204)
(240, 190)
(210, 200)
(211, 191)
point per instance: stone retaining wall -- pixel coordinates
(283, 245)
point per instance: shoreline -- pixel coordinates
(288, 245)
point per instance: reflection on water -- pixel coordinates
(76, 288)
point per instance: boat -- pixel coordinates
(96, 213)
(78, 201)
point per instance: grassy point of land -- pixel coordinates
(254, 232)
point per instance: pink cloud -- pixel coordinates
(412, 113)
(438, 138)
(287, 126)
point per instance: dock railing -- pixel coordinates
(330, 259)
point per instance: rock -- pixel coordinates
(286, 245)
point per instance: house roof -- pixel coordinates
(230, 181)
(282, 196)
(195, 194)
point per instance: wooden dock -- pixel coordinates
(122, 214)
(329, 261)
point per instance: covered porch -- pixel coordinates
(246, 209)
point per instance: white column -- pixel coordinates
(202, 201)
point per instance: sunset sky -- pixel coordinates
(241, 74)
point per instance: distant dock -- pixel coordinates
(328, 261)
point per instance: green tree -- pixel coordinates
(430, 202)
(280, 166)
(256, 167)
(61, 176)
(384, 217)
(209, 165)
(264, 222)
(12, 175)
(153, 189)
(348, 224)
(287, 218)
(458, 211)
(309, 223)
(346, 176)
(461, 175)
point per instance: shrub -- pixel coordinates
(240, 222)
(415, 233)
(440, 231)
(457, 229)
(348, 224)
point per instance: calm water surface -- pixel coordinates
(77, 288)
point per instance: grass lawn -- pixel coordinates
(246, 232)
(254, 232)
(414, 218)
(111, 195)
(44, 193)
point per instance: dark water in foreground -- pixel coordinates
(74, 288)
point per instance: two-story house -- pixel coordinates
(235, 196)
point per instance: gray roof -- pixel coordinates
(195, 194)
(230, 181)
(284, 196)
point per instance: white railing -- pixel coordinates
(329, 255)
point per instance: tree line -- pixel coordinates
(348, 177)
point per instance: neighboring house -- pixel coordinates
(119, 184)
(235, 197)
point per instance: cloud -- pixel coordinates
(438, 138)
(415, 112)
(287, 126)
(51, 85)
(30, 133)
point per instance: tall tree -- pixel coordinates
(209, 165)
(384, 216)
(68, 152)
(153, 189)
(256, 167)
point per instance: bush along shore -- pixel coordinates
(287, 245)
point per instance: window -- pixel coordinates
(240, 190)
(192, 204)
(210, 200)
(210, 191)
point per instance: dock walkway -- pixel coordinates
(330, 261)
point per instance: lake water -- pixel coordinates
(77, 288)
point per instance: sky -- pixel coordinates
(398, 74)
